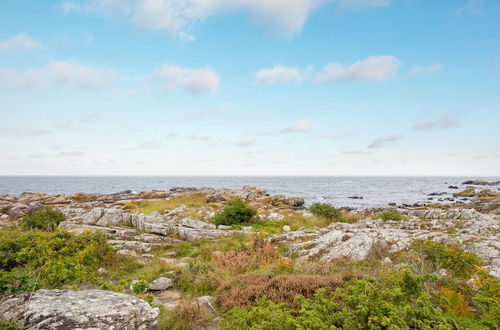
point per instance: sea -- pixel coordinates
(356, 192)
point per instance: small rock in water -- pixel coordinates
(356, 197)
(452, 187)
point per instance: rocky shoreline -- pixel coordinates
(474, 224)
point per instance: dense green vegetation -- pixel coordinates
(325, 211)
(391, 214)
(397, 299)
(235, 212)
(31, 258)
(46, 219)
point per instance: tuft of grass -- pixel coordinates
(391, 214)
(325, 211)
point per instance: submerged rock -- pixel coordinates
(88, 309)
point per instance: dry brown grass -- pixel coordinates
(245, 290)
(149, 206)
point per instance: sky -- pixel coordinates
(250, 87)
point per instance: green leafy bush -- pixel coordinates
(9, 326)
(235, 212)
(391, 214)
(462, 264)
(47, 219)
(400, 301)
(140, 287)
(325, 211)
(34, 259)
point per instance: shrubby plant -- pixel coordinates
(35, 259)
(47, 219)
(325, 211)
(235, 212)
(391, 214)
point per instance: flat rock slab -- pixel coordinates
(88, 309)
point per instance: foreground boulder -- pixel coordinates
(88, 309)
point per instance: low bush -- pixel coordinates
(34, 259)
(47, 219)
(235, 212)
(8, 326)
(391, 214)
(400, 301)
(461, 264)
(237, 262)
(325, 211)
(244, 290)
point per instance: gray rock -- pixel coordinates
(89, 309)
(161, 283)
(193, 223)
(203, 305)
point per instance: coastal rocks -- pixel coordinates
(161, 283)
(480, 183)
(281, 201)
(192, 223)
(247, 193)
(355, 241)
(468, 192)
(88, 309)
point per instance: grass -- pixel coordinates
(150, 206)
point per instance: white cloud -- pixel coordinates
(245, 143)
(277, 74)
(203, 114)
(180, 16)
(442, 123)
(24, 132)
(147, 145)
(68, 74)
(424, 70)
(300, 126)
(359, 4)
(199, 137)
(19, 42)
(473, 7)
(194, 81)
(375, 68)
(334, 135)
(384, 141)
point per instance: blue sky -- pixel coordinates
(250, 87)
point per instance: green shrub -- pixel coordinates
(462, 264)
(235, 212)
(140, 287)
(391, 214)
(47, 219)
(400, 301)
(34, 259)
(9, 326)
(325, 211)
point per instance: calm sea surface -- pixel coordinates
(376, 191)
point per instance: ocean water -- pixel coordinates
(376, 191)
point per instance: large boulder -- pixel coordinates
(88, 309)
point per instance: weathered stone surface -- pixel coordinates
(355, 240)
(89, 309)
(161, 283)
(192, 223)
(203, 305)
(169, 299)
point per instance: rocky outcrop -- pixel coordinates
(355, 241)
(88, 309)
